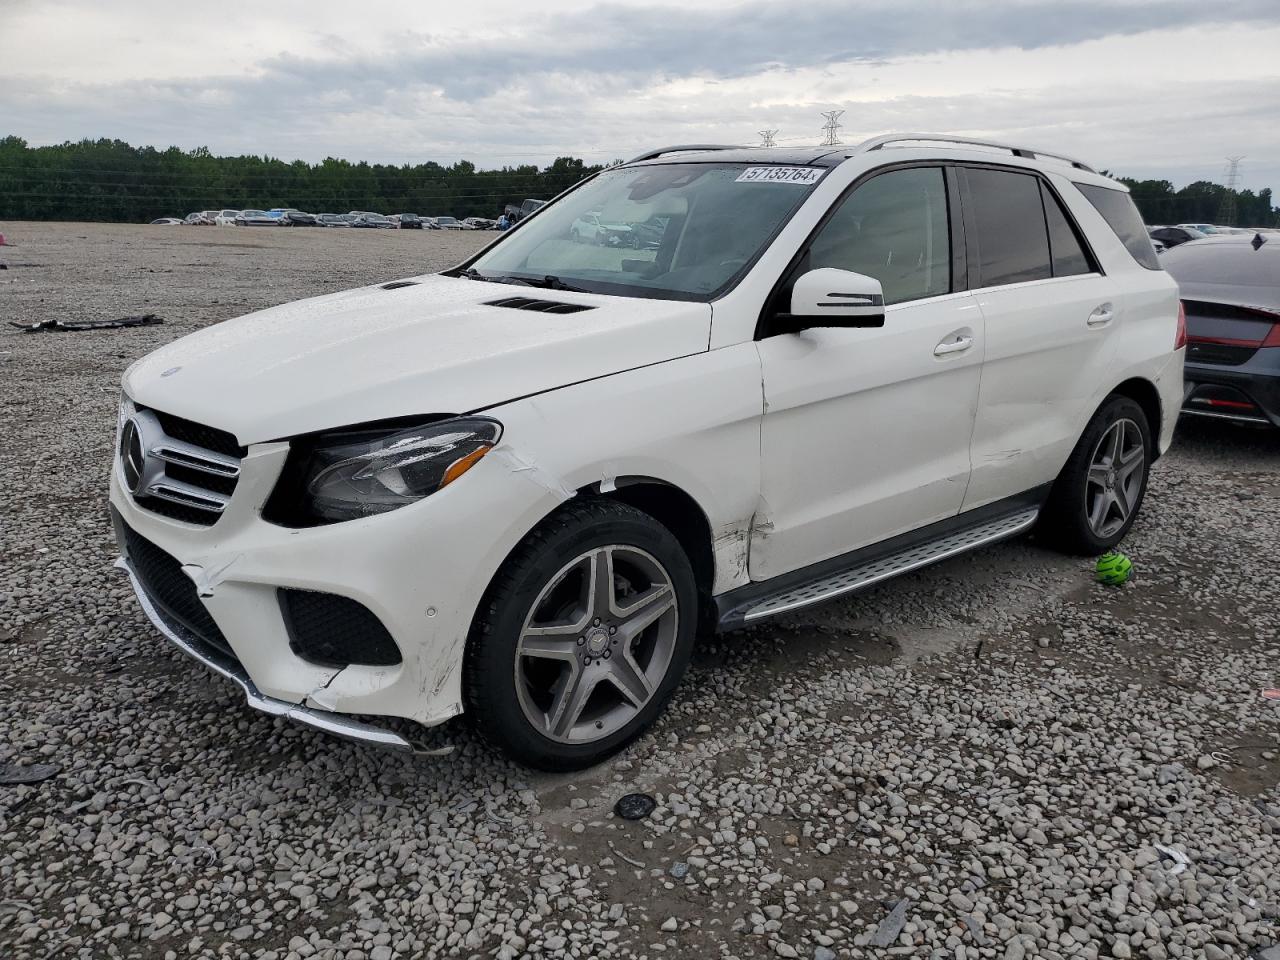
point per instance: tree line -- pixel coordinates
(114, 181)
(1201, 202)
(110, 180)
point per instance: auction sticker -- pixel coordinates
(801, 175)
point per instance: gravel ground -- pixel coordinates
(984, 759)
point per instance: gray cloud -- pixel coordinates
(582, 83)
(651, 44)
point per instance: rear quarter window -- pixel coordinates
(1117, 208)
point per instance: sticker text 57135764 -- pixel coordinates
(800, 175)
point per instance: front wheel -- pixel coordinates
(1096, 498)
(582, 637)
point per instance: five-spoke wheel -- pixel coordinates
(582, 636)
(596, 643)
(1096, 497)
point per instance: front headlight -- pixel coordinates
(358, 473)
(127, 410)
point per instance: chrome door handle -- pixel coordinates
(957, 345)
(1101, 316)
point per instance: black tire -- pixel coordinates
(1064, 520)
(490, 664)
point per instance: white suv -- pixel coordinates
(519, 488)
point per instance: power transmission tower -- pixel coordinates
(1227, 209)
(832, 127)
(766, 138)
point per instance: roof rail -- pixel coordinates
(876, 143)
(681, 148)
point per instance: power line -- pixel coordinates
(832, 128)
(766, 138)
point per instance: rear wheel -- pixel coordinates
(582, 638)
(1096, 497)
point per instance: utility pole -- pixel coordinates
(832, 127)
(766, 138)
(1227, 209)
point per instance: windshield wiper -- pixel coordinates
(549, 282)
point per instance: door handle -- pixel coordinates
(1101, 316)
(958, 345)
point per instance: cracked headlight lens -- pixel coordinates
(358, 474)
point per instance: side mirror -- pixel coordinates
(828, 297)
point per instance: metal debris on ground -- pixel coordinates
(635, 806)
(891, 925)
(13, 775)
(57, 325)
(1180, 861)
(623, 857)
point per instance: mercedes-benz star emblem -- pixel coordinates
(132, 456)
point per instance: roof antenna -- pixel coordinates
(1257, 241)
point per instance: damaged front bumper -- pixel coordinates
(420, 570)
(342, 726)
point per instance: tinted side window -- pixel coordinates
(894, 228)
(1116, 207)
(1068, 255)
(1012, 243)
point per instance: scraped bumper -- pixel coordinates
(215, 659)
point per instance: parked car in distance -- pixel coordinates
(408, 221)
(555, 463)
(226, 218)
(297, 218)
(479, 223)
(1230, 288)
(197, 219)
(1172, 236)
(1208, 229)
(332, 220)
(589, 228)
(167, 222)
(256, 218)
(373, 221)
(447, 223)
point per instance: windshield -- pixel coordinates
(679, 231)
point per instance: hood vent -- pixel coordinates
(397, 284)
(540, 306)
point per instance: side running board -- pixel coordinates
(829, 585)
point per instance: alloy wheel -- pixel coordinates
(596, 644)
(1115, 477)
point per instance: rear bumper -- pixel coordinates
(1256, 382)
(218, 661)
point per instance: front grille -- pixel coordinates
(177, 468)
(211, 438)
(171, 590)
(1219, 353)
(335, 631)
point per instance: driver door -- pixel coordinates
(866, 432)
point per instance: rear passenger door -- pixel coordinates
(1049, 314)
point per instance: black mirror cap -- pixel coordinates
(795, 323)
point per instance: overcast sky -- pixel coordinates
(1149, 89)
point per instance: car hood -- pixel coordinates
(436, 346)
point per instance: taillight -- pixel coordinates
(1180, 338)
(1273, 338)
